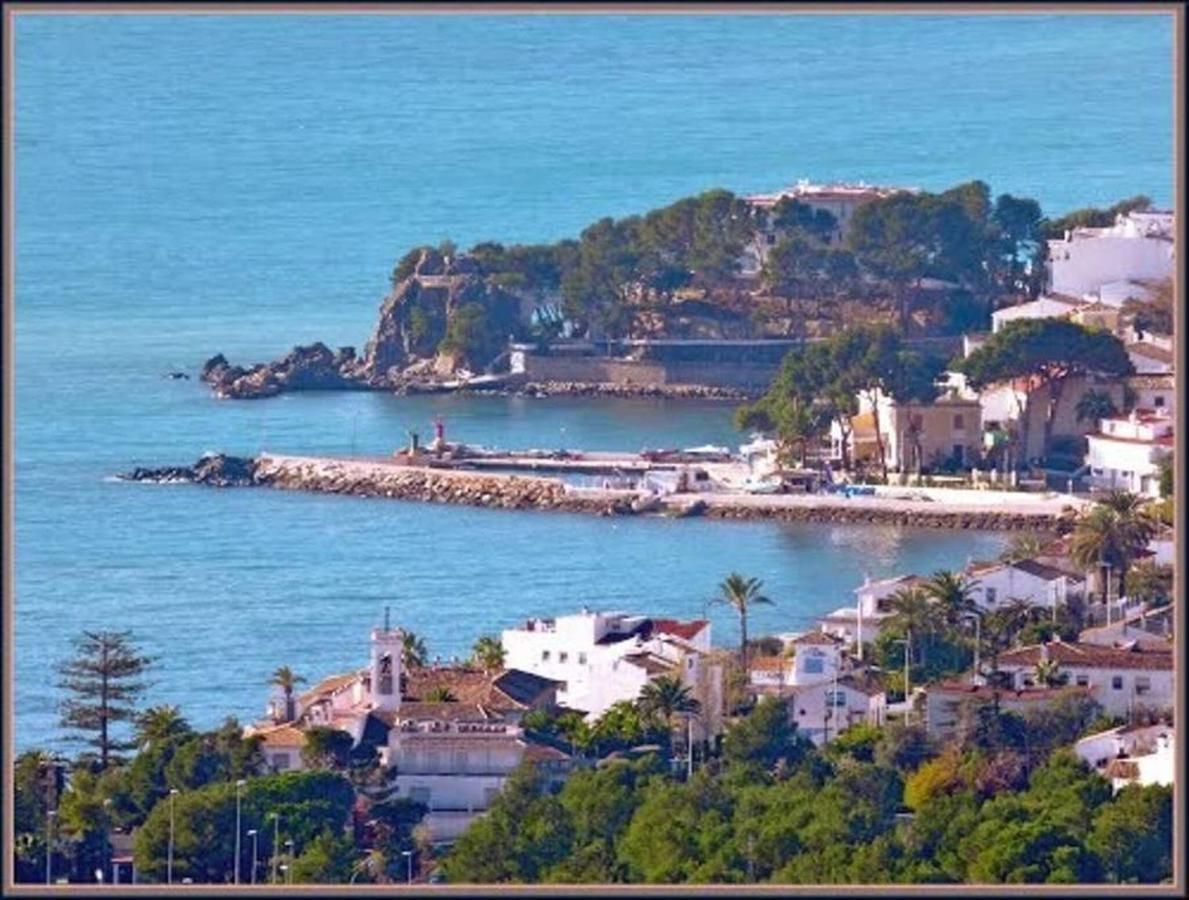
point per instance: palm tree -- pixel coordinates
(1047, 673)
(488, 653)
(160, 724)
(741, 594)
(1095, 406)
(1113, 533)
(666, 698)
(915, 613)
(1022, 546)
(439, 694)
(413, 654)
(954, 594)
(287, 680)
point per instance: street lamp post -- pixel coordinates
(408, 855)
(173, 792)
(49, 845)
(978, 640)
(252, 834)
(276, 844)
(907, 642)
(1108, 593)
(239, 787)
(292, 855)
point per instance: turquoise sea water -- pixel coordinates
(242, 184)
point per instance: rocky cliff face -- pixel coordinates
(443, 316)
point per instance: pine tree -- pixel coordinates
(104, 679)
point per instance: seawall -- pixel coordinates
(378, 477)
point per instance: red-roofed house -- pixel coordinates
(1125, 679)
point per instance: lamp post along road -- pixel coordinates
(169, 859)
(408, 855)
(239, 787)
(49, 845)
(252, 834)
(276, 844)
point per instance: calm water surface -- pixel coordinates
(186, 186)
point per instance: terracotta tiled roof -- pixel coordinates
(534, 752)
(687, 630)
(863, 683)
(523, 688)
(328, 686)
(285, 735)
(1122, 768)
(418, 711)
(818, 638)
(474, 686)
(902, 580)
(985, 691)
(1042, 570)
(650, 663)
(1089, 656)
(770, 663)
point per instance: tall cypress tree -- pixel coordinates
(104, 681)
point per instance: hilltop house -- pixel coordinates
(948, 431)
(1043, 584)
(447, 736)
(1131, 754)
(839, 200)
(826, 690)
(1126, 452)
(602, 658)
(1138, 247)
(1125, 680)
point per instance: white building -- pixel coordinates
(1140, 754)
(1126, 452)
(603, 658)
(1138, 247)
(994, 584)
(447, 736)
(827, 692)
(1041, 308)
(1125, 680)
(860, 624)
(1150, 357)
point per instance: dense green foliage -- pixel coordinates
(1005, 803)
(818, 384)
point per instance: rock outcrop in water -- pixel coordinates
(444, 316)
(216, 470)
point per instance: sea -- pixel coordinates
(186, 185)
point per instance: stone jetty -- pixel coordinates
(397, 480)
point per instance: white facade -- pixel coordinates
(1124, 681)
(607, 657)
(1040, 308)
(1138, 247)
(1140, 755)
(860, 624)
(1126, 452)
(826, 692)
(1041, 585)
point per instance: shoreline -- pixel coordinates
(392, 479)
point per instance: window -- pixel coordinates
(1158, 401)
(991, 594)
(581, 659)
(419, 795)
(1117, 683)
(280, 761)
(1082, 680)
(544, 656)
(1143, 684)
(563, 657)
(813, 665)
(959, 422)
(836, 698)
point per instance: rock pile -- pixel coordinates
(216, 470)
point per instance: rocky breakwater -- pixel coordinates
(215, 470)
(427, 485)
(610, 389)
(442, 315)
